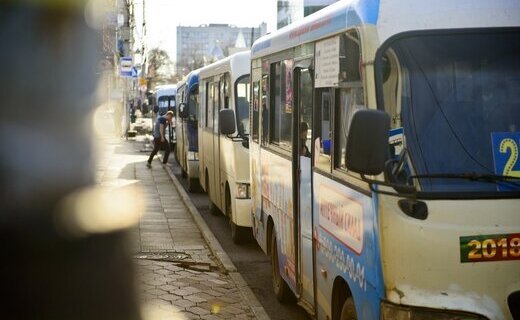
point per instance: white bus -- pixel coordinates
(224, 155)
(384, 159)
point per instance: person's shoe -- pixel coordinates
(164, 164)
(148, 165)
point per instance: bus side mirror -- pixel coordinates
(183, 110)
(367, 142)
(226, 120)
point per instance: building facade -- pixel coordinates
(199, 46)
(289, 11)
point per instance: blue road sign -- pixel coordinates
(126, 66)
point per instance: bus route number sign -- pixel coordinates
(506, 149)
(483, 248)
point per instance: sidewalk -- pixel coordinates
(179, 277)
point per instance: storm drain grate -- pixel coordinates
(164, 256)
(180, 259)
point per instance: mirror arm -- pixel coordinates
(234, 138)
(408, 191)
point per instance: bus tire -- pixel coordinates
(281, 290)
(211, 206)
(348, 311)
(192, 184)
(239, 235)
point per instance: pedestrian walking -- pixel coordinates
(159, 138)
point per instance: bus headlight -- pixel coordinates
(242, 191)
(193, 156)
(400, 312)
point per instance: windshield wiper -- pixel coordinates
(473, 176)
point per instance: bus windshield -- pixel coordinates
(455, 99)
(242, 90)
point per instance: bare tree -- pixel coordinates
(158, 60)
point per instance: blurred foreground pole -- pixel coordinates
(49, 269)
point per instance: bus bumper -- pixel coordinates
(242, 211)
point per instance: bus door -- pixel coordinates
(217, 104)
(302, 167)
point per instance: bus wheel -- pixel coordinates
(239, 234)
(348, 311)
(281, 289)
(192, 184)
(211, 206)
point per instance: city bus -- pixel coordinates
(187, 148)
(165, 96)
(384, 159)
(224, 156)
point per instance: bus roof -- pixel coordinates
(166, 90)
(192, 79)
(390, 17)
(237, 65)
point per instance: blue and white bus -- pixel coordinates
(165, 96)
(187, 149)
(224, 156)
(384, 159)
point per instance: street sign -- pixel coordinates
(125, 66)
(135, 72)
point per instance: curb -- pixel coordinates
(218, 251)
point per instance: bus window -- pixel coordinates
(194, 103)
(350, 100)
(242, 91)
(209, 106)
(265, 109)
(281, 119)
(351, 93)
(224, 91)
(305, 91)
(323, 129)
(216, 106)
(256, 111)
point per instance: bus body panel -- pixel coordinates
(277, 202)
(347, 245)
(431, 250)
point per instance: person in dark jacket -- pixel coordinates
(159, 138)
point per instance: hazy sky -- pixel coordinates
(163, 16)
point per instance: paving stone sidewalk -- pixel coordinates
(178, 276)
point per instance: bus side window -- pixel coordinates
(351, 95)
(323, 130)
(216, 105)
(281, 119)
(209, 106)
(256, 111)
(265, 109)
(224, 92)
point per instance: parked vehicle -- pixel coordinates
(187, 151)
(384, 176)
(223, 150)
(165, 97)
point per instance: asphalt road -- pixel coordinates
(249, 259)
